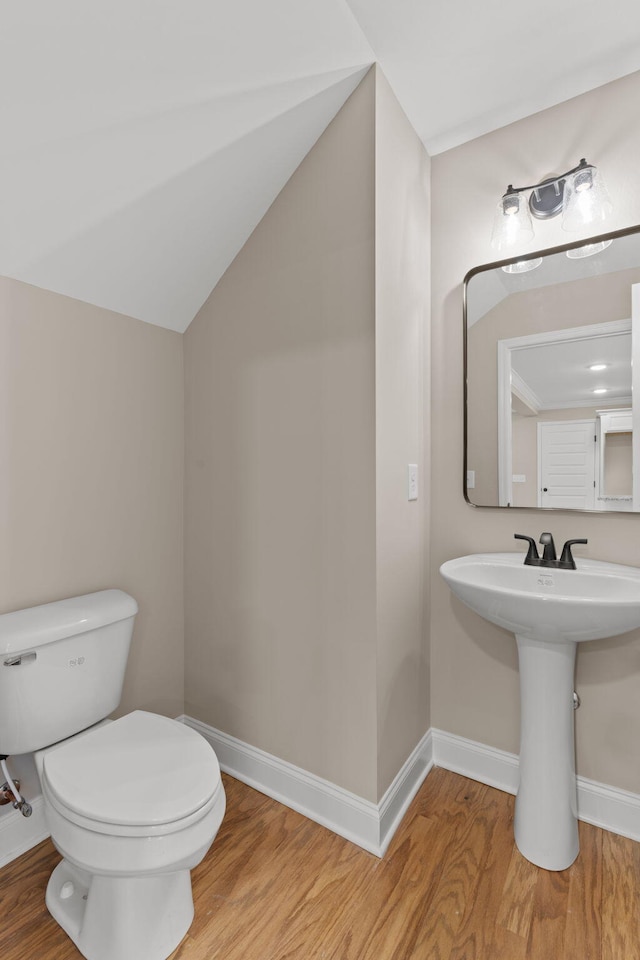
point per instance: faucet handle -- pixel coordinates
(567, 557)
(532, 553)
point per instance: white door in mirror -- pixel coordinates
(566, 464)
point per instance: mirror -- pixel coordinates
(552, 395)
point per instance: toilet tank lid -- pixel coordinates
(33, 627)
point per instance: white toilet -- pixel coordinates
(132, 804)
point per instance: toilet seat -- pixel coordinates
(127, 830)
(141, 775)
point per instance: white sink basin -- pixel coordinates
(596, 600)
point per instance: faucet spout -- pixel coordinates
(549, 552)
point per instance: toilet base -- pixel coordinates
(121, 918)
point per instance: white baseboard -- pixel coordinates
(19, 834)
(496, 768)
(403, 789)
(373, 825)
(367, 824)
(611, 808)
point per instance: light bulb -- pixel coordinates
(512, 223)
(511, 205)
(586, 200)
(583, 179)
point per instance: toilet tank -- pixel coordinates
(62, 667)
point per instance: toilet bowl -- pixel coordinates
(132, 805)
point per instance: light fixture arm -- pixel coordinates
(583, 165)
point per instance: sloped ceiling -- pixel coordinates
(462, 68)
(143, 140)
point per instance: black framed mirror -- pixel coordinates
(549, 343)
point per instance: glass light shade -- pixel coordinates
(586, 201)
(512, 224)
(523, 266)
(588, 250)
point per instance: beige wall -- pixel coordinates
(280, 472)
(304, 559)
(91, 434)
(474, 668)
(402, 299)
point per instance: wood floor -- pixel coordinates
(452, 886)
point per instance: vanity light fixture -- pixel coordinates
(579, 194)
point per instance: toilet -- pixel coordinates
(132, 804)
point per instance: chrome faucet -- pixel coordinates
(549, 557)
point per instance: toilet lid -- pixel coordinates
(140, 769)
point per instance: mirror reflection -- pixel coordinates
(550, 415)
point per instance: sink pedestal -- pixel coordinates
(546, 828)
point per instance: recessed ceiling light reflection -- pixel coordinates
(601, 390)
(588, 250)
(522, 266)
(598, 366)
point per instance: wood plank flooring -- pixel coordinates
(452, 886)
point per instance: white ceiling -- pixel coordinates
(143, 140)
(557, 375)
(462, 68)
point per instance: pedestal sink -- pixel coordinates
(550, 611)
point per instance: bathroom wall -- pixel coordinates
(474, 664)
(280, 550)
(402, 236)
(304, 558)
(91, 440)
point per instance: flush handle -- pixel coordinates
(19, 659)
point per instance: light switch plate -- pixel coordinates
(412, 481)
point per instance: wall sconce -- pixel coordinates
(579, 194)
